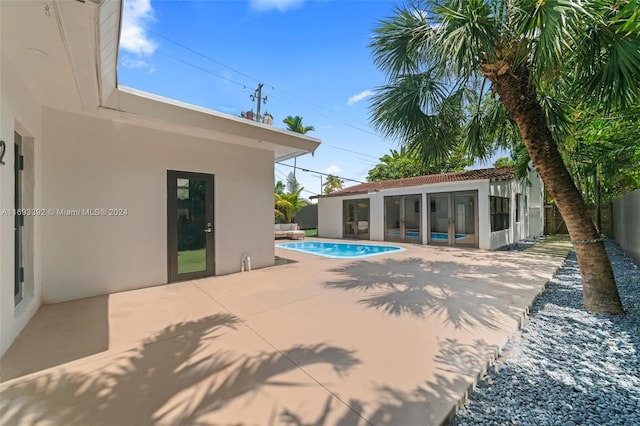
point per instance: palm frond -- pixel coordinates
(403, 107)
(467, 36)
(627, 20)
(549, 29)
(557, 113)
(400, 43)
(606, 64)
(521, 158)
(489, 127)
(421, 112)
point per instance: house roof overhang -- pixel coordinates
(68, 59)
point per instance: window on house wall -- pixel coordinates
(499, 213)
(518, 207)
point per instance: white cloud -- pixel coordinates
(332, 169)
(134, 63)
(279, 5)
(134, 38)
(360, 96)
(127, 62)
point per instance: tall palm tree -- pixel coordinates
(294, 123)
(447, 60)
(333, 183)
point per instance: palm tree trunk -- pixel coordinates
(600, 294)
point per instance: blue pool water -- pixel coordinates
(407, 234)
(443, 236)
(436, 236)
(340, 250)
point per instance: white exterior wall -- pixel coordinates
(536, 205)
(531, 222)
(18, 112)
(506, 189)
(330, 210)
(96, 163)
(330, 215)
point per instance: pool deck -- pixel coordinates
(396, 339)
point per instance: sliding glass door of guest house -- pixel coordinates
(453, 218)
(403, 218)
(355, 215)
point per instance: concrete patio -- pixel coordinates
(394, 340)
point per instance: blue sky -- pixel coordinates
(311, 56)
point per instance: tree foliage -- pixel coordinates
(606, 148)
(333, 183)
(288, 204)
(294, 123)
(279, 187)
(292, 183)
(504, 162)
(403, 163)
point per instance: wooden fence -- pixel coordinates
(554, 224)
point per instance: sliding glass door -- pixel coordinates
(439, 218)
(356, 219)
(465, 215)
(453, 218)
(403, 218)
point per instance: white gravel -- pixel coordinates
(568, 367)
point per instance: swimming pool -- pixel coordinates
(340, 250)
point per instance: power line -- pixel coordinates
(348, 150)
(320, 173)
(209, 58)
(195, 52)
(191, 65)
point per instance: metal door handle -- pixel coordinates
(208, 230)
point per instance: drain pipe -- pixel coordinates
(246, 263)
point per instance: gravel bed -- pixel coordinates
(567, 367)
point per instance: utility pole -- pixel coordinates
(257, 95)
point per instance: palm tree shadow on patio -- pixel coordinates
(168, 379)
(422, 288)
(426, 404)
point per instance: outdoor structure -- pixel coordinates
(486, 209)
(118, 189)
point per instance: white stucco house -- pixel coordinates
(121, 189)
(485, 209)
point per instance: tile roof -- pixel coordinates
(482, 174)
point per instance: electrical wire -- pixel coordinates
(209, 58)
(319, 173)
(244, 86)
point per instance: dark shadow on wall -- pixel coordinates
(463, 295)
(79, 327)
(167, 380)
